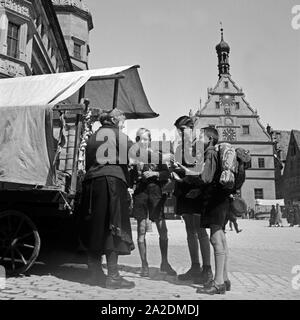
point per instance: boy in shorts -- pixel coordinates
(148, 203)
(216, 201)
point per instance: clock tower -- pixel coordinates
(238, 123)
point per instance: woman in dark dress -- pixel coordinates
(272, 216)
(105, 220)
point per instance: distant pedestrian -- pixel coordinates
(272, 216)
(233, 222)
(278, 220)
(251, 213)
(291, 213)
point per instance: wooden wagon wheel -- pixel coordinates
(19, 242)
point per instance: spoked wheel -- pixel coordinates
(19, 242)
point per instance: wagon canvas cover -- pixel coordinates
(26, 141)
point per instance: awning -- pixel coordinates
(269, 202)
(51, 89)
(26, 140)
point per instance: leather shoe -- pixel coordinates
(212, 288)
(191, 274)
(227, 285)
(96, 277)
(205, 277)
(144, 271)
(166, 267)
(118, 283)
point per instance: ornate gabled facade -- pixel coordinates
(76, 22)
(31, 40)
(291, 174)
(237, 123)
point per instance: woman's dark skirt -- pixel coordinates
(105, 224)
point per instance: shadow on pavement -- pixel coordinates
(73, 267)
(156, 275)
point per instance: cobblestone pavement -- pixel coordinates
(260, 264)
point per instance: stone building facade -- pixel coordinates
(238, 123)
(43, 36)
(31, 40)
(76, 23)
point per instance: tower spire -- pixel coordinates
(221, 25)
(223, 50)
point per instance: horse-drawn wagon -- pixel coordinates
(44, 124)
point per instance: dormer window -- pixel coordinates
(13, 40)
(217, 105)
(226, 84)
(246, 129)
(237, 105)
(77, 50)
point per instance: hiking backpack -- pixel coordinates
(228, 161)
(243, 163)
(233, 162)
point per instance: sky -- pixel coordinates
(174, 42)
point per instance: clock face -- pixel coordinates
(229, 134)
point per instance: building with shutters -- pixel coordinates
(43, 36)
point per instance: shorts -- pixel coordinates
(149, 203)
(216, 213)
(186, 205)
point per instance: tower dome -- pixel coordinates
(222, 46)
(223, 50)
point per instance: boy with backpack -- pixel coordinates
(216, 187)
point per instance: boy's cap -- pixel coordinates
(184, 121)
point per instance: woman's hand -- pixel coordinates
(150, 174)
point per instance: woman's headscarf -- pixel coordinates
(111, 117)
